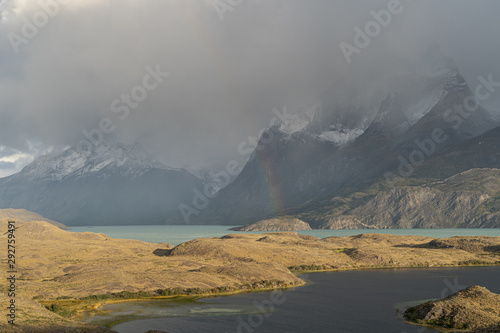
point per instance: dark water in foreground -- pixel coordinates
(344, 302)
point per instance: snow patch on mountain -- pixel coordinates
(297, 122)
(423, 106)
(117, 159)
(341, 136)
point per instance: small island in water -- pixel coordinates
(474, 308)
(282, 223)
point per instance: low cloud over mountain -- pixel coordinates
(64, 64)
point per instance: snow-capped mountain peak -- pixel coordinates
(343, 112)
(105, 160)
(110, 185)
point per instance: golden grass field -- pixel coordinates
(55, 266)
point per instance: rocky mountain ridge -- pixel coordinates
(467, 200)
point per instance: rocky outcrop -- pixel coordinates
(276, 224)
(474, 308)
(422, 207)
(342, 222)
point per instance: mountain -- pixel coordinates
(482, 151)
(459, 187)
(358, 157)
(325, 151)
(111, 185)
(467, 200)
(255, 190)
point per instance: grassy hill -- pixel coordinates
(27, 216)
(68, 271)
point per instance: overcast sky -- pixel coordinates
(227, 69)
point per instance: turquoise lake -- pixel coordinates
(177, 234)
(345, 302)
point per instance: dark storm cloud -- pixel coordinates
(225, 76)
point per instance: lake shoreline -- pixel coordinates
(178, 234)
(61, 268)
(190, 297)
(343, 283)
